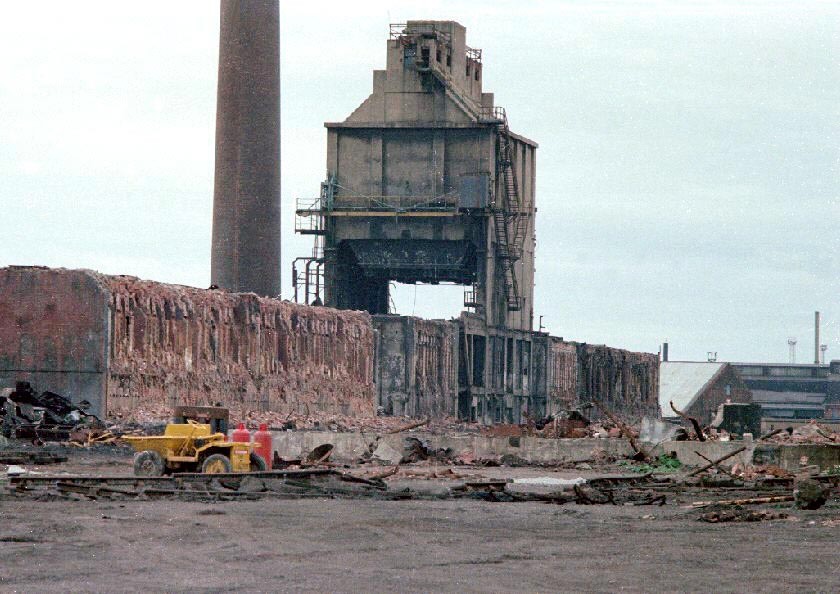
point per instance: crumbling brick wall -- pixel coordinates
(625, 382)
(174, 344)
(561, 376)
(143, 343)
(119, 342)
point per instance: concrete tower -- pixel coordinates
(426, 183)
(246, 197)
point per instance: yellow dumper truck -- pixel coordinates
(192, 447)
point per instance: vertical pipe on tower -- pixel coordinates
(817, 337)
(246, 196)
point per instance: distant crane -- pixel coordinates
(792, 346)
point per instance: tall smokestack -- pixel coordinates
(817, 337)
(246, 196)
(664, 351)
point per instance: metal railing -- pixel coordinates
(309, 219)
(399, 30)
(312, 208)
(493, 114)
(471, 298)
(397, 203)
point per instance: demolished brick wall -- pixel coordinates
(167, 344)
(182, 345)
(120, 343)
(561, 376)
(625, 382)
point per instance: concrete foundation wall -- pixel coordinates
(792, 457)
(788, 457)
(417, 373)
(350, 446)
(686, 451)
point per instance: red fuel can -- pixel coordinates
(263, 444)
(241, 434)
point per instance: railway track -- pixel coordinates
(280, 483)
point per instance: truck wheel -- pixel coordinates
(257, 463)
(216, 464)
(148, 463)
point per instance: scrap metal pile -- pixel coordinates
(43, 417)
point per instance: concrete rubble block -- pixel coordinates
(810, 494)
(387, 453)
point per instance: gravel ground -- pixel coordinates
(328, 545)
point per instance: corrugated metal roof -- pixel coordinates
(682, 381)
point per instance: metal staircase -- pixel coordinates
(514, 301)
(510, 217)
(517, 216)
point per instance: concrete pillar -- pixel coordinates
(246, 197)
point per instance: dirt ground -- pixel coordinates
(331, 545)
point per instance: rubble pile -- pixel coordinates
(155, 416)
(565, 425)
(811, 432)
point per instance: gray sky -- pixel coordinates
(688, 171)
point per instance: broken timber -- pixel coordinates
(749, 501)
(718, 461)
(694, 422)
(641, 453)
(716, 465)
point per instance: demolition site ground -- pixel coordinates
(368, 541)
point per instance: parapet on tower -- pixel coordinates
(426, 183)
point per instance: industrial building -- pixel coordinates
(791, 392)
(697, 388)
(427, 183)
(113, 344)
